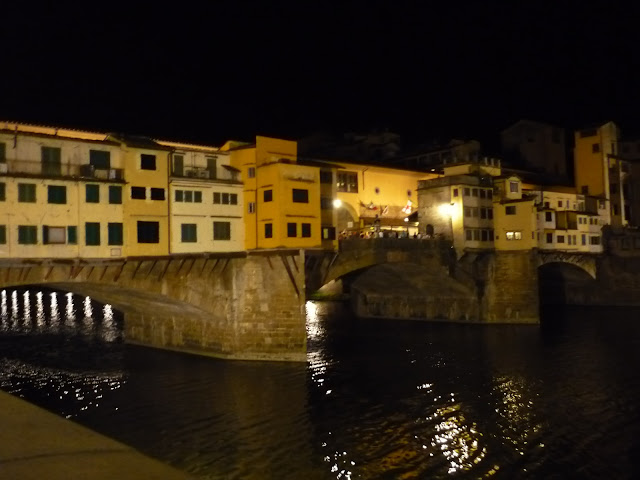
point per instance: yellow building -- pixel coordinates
(61, 193)
(205, 200)
(146, 207)
(282, 197)
(514, 215)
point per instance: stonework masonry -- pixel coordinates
(248, 307)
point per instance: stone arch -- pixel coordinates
(585, 262)
(346, 213)
(563, 283)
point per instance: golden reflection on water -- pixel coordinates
(70, 311)
(26, 310)
(54, 315)
(40, 316)
(519, 425)
(14, 306)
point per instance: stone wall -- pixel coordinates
(240, 307)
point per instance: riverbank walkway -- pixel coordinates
(37, 444)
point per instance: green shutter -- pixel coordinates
(92, 193)
(115, 233)
(45, 234)
(115, 194)
(26, 192)
(3, 234)
(57, 194)
(27, 234)
(72, 235)
(92, 233)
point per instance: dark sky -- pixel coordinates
(236, 69)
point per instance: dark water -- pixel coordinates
(376, 399)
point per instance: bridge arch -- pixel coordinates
(563, 283)
(585, 262)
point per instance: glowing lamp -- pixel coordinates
(337, 203)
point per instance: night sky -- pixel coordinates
(237, 69)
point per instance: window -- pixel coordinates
(455, 192)
(148, 232)
(188, 196)
(100, 159)
(3, 192)
(328, 233)
(179, 195)
(467, 211)
(594, 240)
(178, 165)
(595, 148)
(584, 239)
(468, 234)
(216, 197)
(300, 195)
(326, 177)
(50, 161)
(147, 162)
(268, 230)
(466, 192)
(57, 194)
(27, 192)
(306, 230)
(53, 235)
(483, 193)
(513, 187)
(92, 233)
(72, 235)
(197, 197)
(489, 194)
(251, 172)
(157, 193)
(347, 182)
(474, 192)
(114, 231)
(190, 233)
(549, 238)
(514, 235)
(476, 235)
(548, 216)
(27, 234)
(483, 213)
(222, 230)
(138, 193)
(474, 212)
(560, 239)
(225, 199)
(252, 207)
(490, 213)
(510, 210)
(559, 203)
(3, 153)
(3, 234)
(267, 196)
(92, 193)
(115, 194)
(292, 229)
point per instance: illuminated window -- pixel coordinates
(53, 235)
(514, 235)
(347, 182)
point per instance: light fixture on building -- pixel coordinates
(406, 219)
(337, 203)
(447, 209)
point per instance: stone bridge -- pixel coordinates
(429, 280)
(236, 306)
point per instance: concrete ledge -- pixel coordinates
(37, 444)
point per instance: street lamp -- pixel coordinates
(337, 203)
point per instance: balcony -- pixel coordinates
(32, 168)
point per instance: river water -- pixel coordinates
(375, 400)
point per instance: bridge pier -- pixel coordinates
(510, 288)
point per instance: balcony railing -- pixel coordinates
(34, 168)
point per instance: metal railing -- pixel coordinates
(35, 168)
